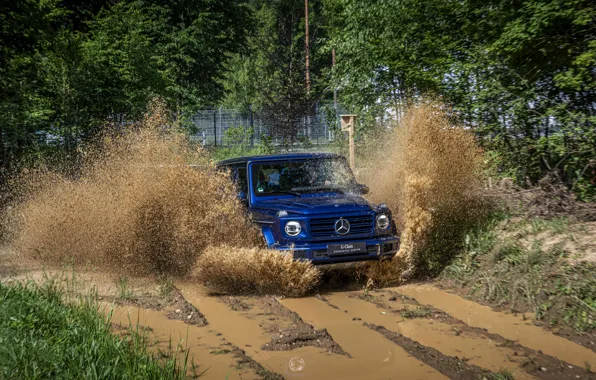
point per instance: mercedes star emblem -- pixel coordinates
(342, 226)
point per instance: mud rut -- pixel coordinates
(409, 332)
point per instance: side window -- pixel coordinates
(242, 180)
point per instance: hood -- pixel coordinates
(307, 205)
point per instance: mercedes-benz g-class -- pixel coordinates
(310, 204)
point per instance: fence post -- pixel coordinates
(252, 136)
(214, 128)
(221, 132)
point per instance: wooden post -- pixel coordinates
(347, 124)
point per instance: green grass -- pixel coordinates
(501, 375)
(44, 336)
(166, 288)
(124, 291)
(418, 312)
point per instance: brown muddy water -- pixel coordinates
(406, 332)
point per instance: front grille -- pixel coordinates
(298, 255)
(325, 227)
(372, 249)
(320, 253)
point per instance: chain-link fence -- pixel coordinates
(210, 127)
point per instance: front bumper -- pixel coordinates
(377, 248)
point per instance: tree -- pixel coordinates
(521, 73)
(67, 66)
(270, 75)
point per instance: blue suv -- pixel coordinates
(310, 204)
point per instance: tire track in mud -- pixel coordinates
(213, 357)
(380, 342)
(372, 355)
(382, 358)
(466, 348)
(288, 331)
(505, 325)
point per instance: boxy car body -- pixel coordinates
(311, 205)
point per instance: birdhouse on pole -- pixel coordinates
(347, 125)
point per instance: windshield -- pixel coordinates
(304, 176)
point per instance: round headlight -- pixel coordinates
(293, 228)
(383, 221)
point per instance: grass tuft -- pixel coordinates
(503, 374)
(124, 291)
(418, 312)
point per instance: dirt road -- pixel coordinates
(409, 332)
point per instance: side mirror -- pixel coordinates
(242, 197)
(361, 189)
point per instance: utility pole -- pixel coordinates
(307, 49)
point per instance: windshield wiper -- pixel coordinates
(319, 188)
(286, 192)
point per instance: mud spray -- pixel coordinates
(429, 172)
(143, 202)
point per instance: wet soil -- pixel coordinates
(546, 355)
(452, 367)
(408, 332)
(287, 330)
(211, 356)
(182, 310)
(245, 361)
(534, 362)
(586, 339)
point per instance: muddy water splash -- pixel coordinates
(136, 205)
(258, 271)
(431, 179)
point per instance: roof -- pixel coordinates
(278, 157)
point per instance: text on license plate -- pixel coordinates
(346, 249)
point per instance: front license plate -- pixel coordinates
(346, 249)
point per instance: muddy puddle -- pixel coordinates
(367, 350)
(211, 355)
(509, 326)
(381, 335)
(407, 332)
(445, 338)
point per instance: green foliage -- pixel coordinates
(239, 141)
(67, 68)
(42, 336)
(270, 75)
(166, 288)
(520, 74)
(124, 291)
(503, 374)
